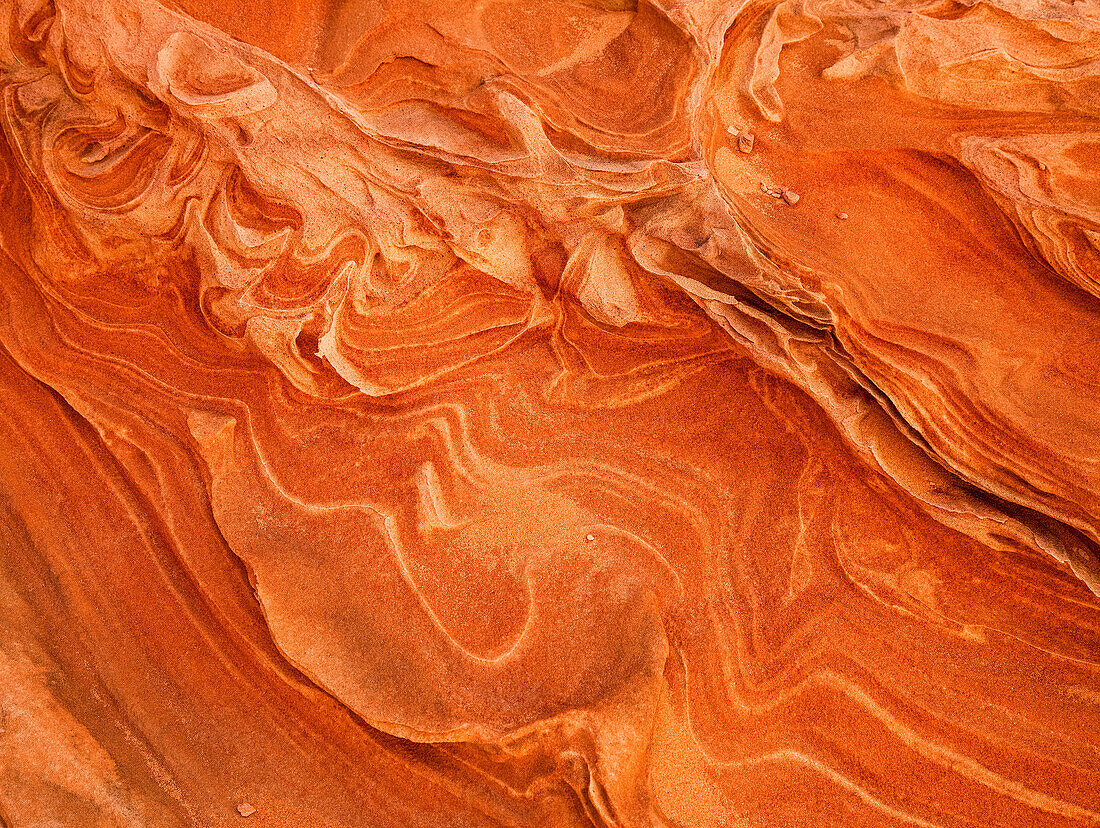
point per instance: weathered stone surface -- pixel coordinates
(554, 413)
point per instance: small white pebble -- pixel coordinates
(791, 197)
(732, 130)
(842, 216)
(590, 538)
(245, 810)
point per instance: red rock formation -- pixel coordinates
(551, 413)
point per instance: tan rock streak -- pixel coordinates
(552, 413)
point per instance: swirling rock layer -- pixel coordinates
(551, 413)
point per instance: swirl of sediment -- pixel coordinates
(556, 413)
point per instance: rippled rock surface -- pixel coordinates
(550, 413)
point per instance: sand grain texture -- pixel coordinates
(550, 413)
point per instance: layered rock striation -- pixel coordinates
(554, 413)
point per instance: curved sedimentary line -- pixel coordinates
(964, 631)
(555, 471)
(930, 750)
(833, 776)
(389, 525)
